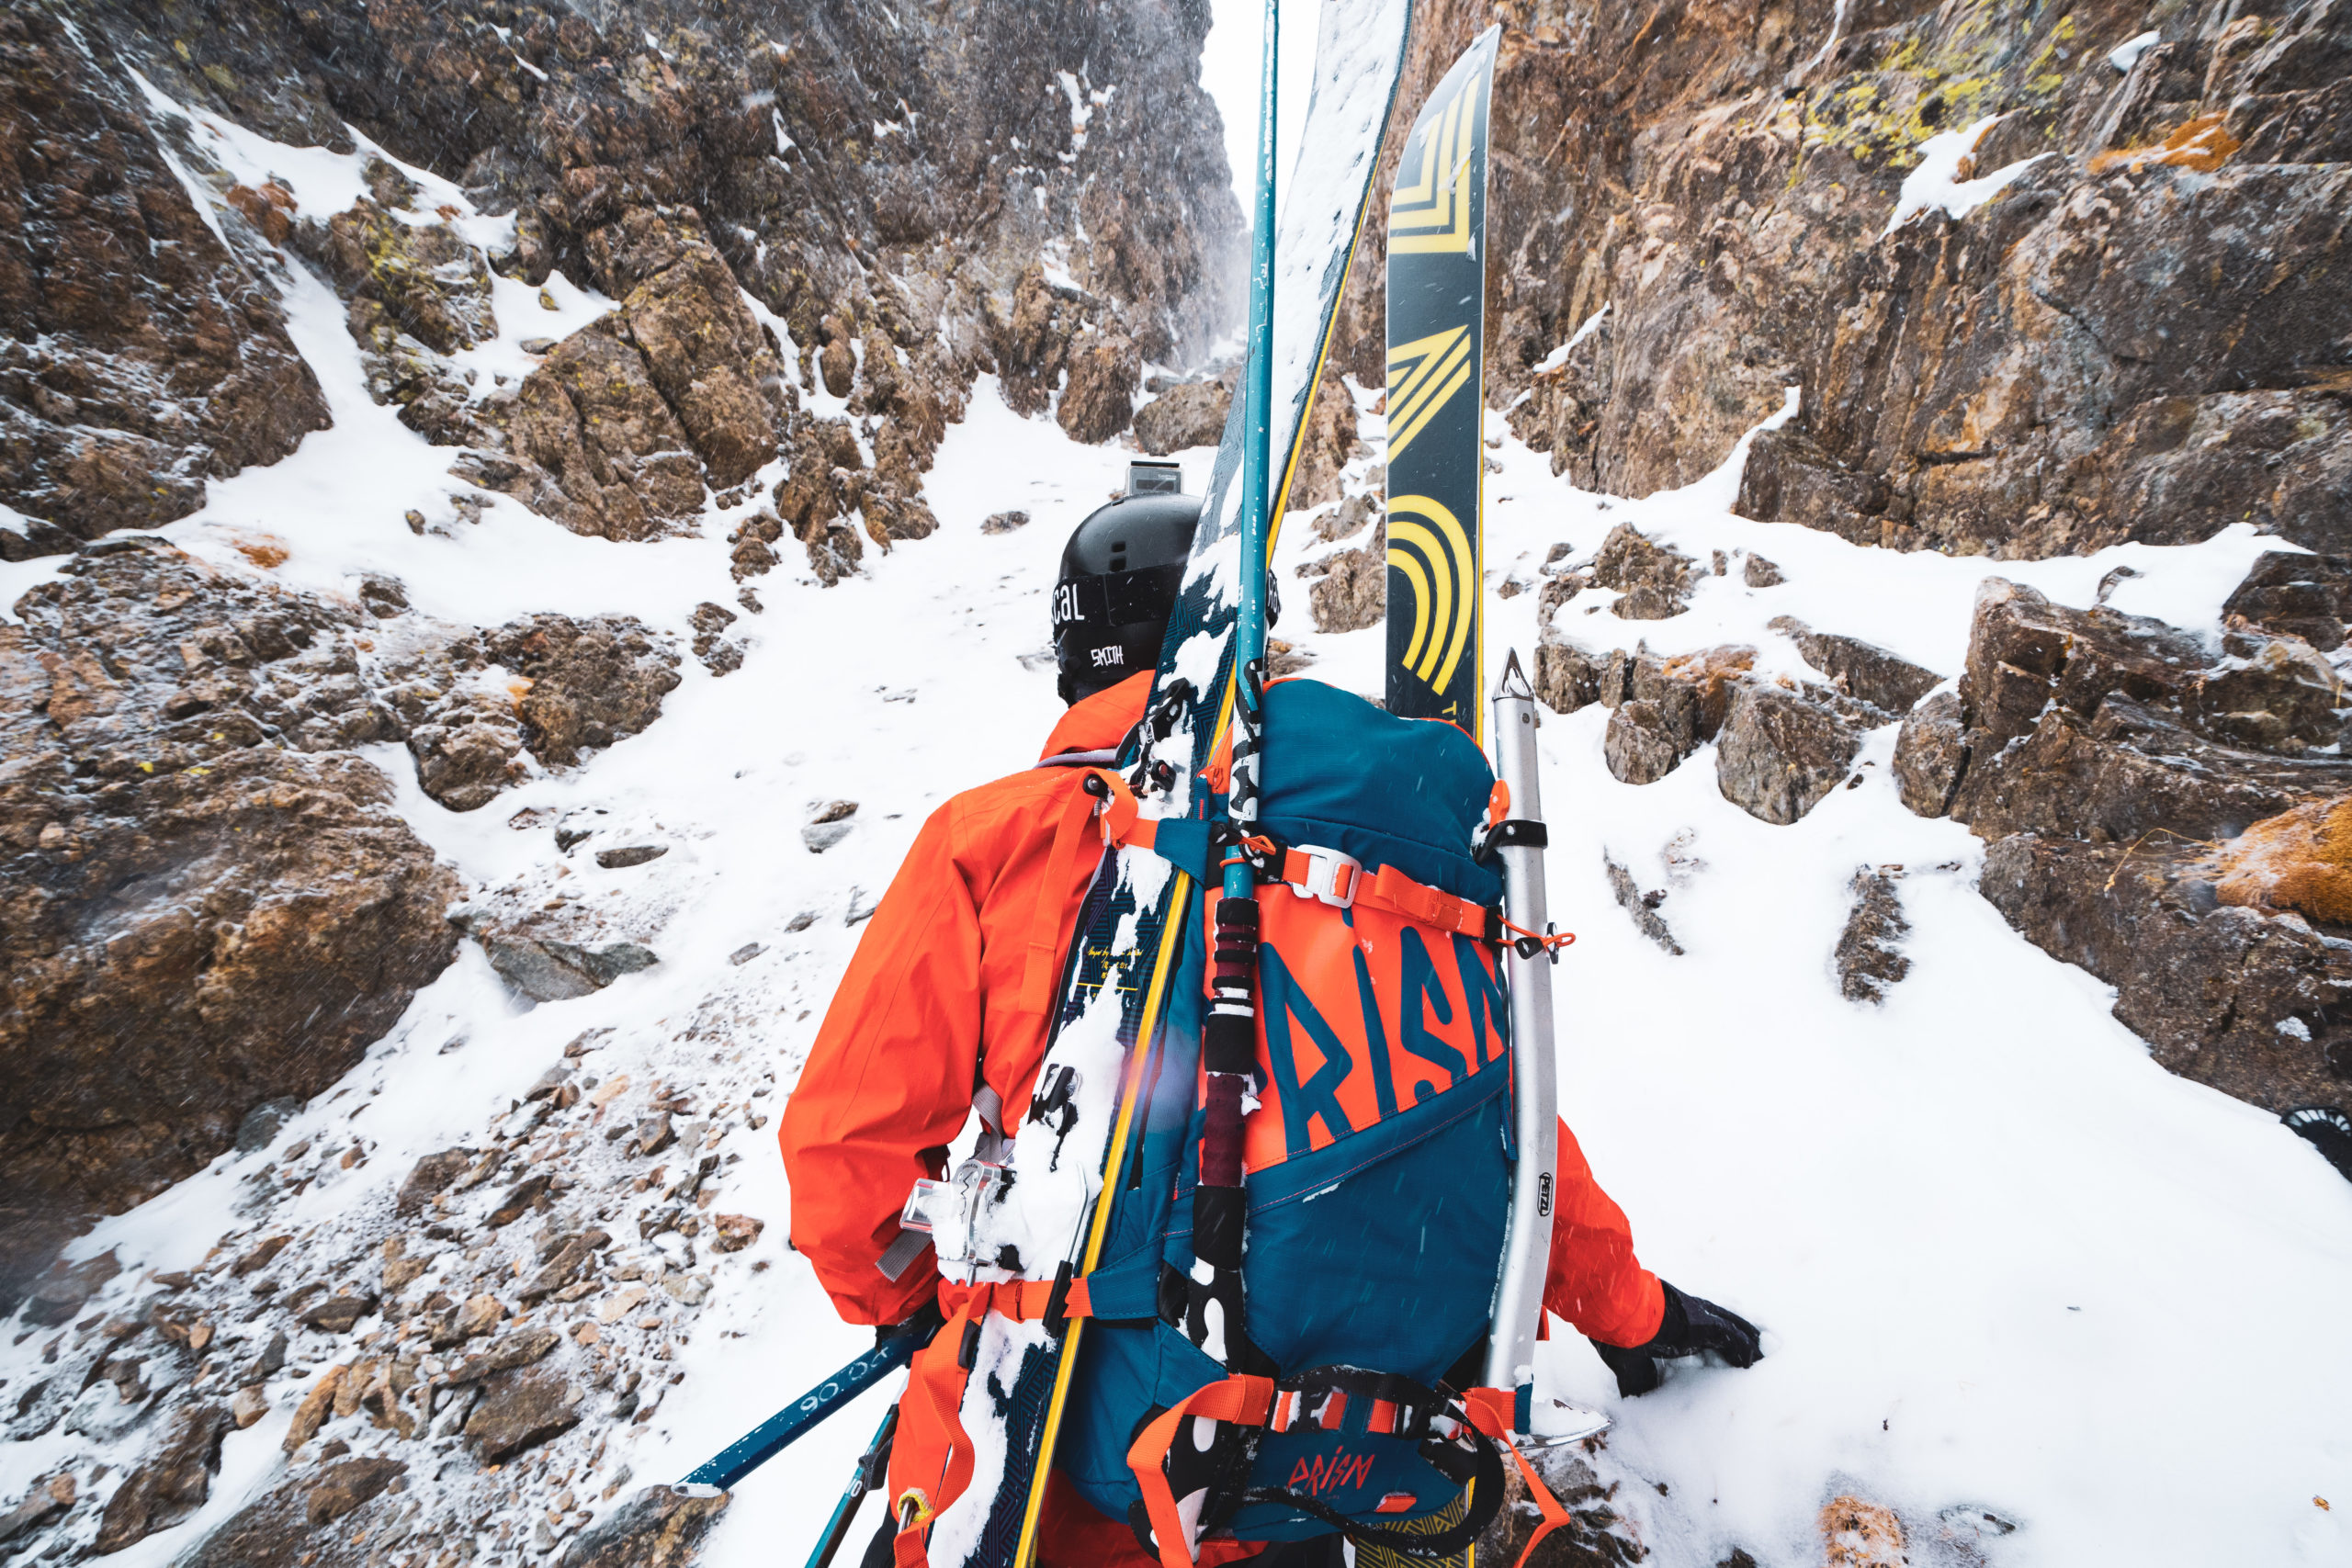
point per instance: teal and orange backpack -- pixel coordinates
(1377, 1166)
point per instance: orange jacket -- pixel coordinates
(946, 989)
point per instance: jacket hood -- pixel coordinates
(1102, 721)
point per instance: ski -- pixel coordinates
(1131, 932)
(1437, 293)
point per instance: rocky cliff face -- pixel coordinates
(812, 230)
(908, 205)
(2135, 327)
(653, 271)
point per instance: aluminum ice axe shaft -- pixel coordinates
(1527, 1253)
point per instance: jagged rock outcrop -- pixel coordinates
(2161, 817)
(1192, 414)
(140, 357)
(175, 851)
(184, 828)
(2138, 337)
(672, 158)
(1779, 754)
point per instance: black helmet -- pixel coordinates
(1121, 573)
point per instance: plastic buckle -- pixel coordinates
(1323, 868)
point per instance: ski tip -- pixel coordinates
(1514, 680)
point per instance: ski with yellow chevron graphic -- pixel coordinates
(1437, 298)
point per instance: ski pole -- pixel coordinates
(861, 1480)
(779, 1431)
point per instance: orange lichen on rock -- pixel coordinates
(2299, 860)
(264, 552)
(1855, 1534)
(2199, 144)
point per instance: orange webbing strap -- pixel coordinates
(1490, 1411)
(1392, 890)
(1022, 1301)
(930, 1462)
(1240, 1398)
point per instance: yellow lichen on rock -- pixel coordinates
(2299, 860)
(1855, 1534)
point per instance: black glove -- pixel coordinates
(1692, 1326)
(927, 1321)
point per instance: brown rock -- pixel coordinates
(518, 1349)
(1189, 416)
(1865, 671)
(1349, 518)
(525, 1195)
(2132, 771)
(521, 1408)
(2274, 693)
(1567, 677)
(838, 366)
(1856, 1534)
(2295, 595)
(47, 1499)
(344, 1487)
(258, 1255)
(1642, 744)
(598, 448)
(313, 1412)
(2224, 994)
(592, 682)
(1869, 956)
(1761, 573)
(1779, 754)
(169, 1487)
(1326, 444)
(147, 357)
(1352, 593)
(563, 1268)
(1097, 400)
(1642, 907)
(427, 282)
(2299, 860)
(1930, 752)
(2024, 651)
(685, 314)
(659, 1528)
(338, 1313)
(1653, 578)
(1594, 1535)
(733, 1233)
(430, 1176)
(216, 863)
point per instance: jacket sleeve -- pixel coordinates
(888, 1082)
(1595, 1281)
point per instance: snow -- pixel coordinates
(1836, 30)
(2125, 55)
(1937, 182)
(2004, 1263)
(1559, 355)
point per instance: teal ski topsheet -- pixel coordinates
(1009, 1401)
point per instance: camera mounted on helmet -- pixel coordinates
(1120, 575)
